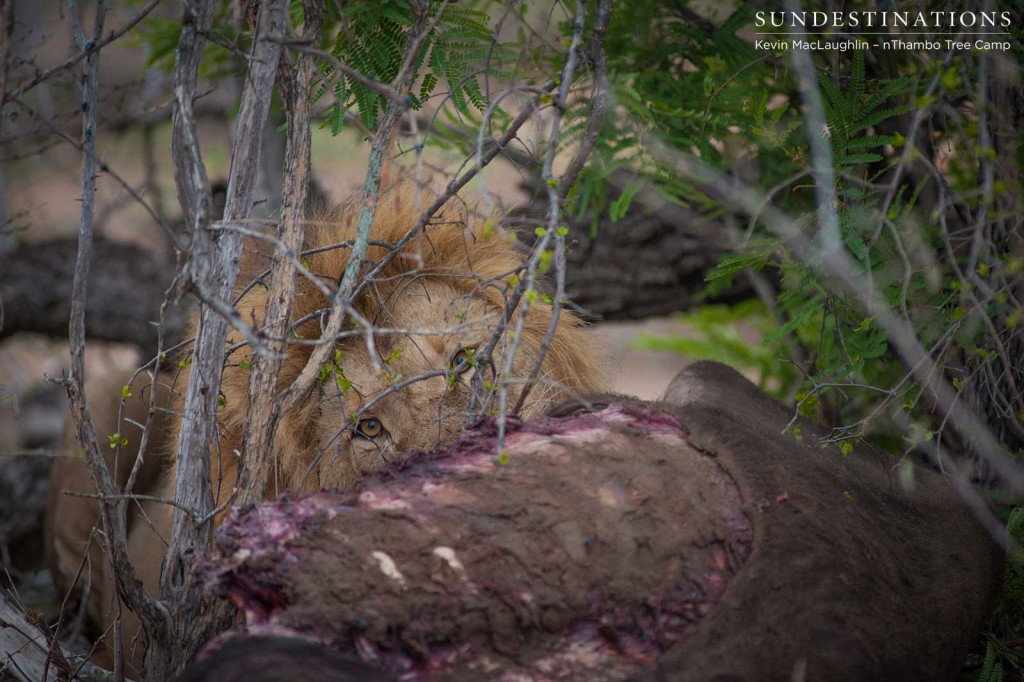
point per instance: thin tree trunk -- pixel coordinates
(210, 271)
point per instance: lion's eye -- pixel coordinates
(370, 428)
(463, 360)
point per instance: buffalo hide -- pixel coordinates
(690, 539)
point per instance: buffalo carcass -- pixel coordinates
(688, 539)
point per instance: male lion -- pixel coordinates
(434, 306)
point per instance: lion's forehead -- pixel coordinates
(420, 326)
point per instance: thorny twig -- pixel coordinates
(304, 46)
(527, 283)
(101, 166)
(598, 99)
(598, 109)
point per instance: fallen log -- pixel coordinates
(685, 540)
(36, 293)
(28, 652)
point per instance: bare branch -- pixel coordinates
(303, 46)
(87, 49)
(112, 512)
(528, 283)
(598, 99)
(598, 108)
(189, 171)
(817, 137)
(102, 166)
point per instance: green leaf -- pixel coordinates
(883, 115)
(854, 159)
(621, 205)
(869, 141)
(991, 668)
(755, 257)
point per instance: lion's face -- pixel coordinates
(432, 306)
(367, 415)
